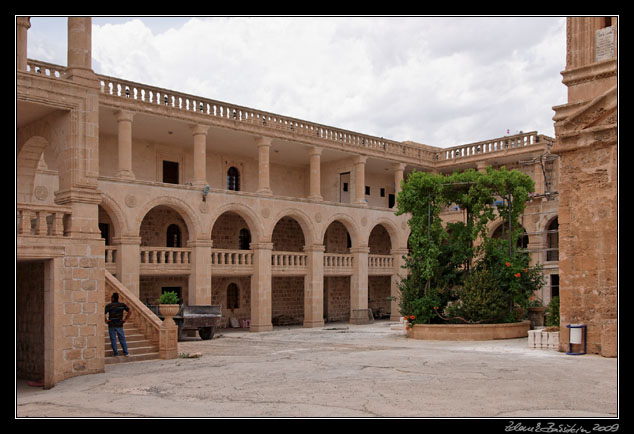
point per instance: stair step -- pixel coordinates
(109, 360)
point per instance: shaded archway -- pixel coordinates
(380, 271)
(231, 231)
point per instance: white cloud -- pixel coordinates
(439, 81)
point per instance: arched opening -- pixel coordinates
(163, 233)
(502, 232)
(231, 231)
(233, 179)
(244, 239)
(380, 272)
(337, 272)
(288, 266)
(233, 296)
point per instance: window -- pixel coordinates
(554, 285)
(170, 172)
(345, 186)
(104, 228)
(233, 296)
(367, 190)
(173, 237)
(552, 254)
(244, 239)
(382, 192)
(233, 179)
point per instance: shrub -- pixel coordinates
(552, 313)
(169, 297)
(481, 299)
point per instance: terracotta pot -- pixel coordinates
(536, 316)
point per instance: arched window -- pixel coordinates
(233, 179)
(244, 239)
(233, 296)
(173, 238)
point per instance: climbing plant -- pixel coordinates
(448, 264)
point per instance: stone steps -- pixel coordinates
(139, 347)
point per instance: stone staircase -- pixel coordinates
(139, 347)
(142, 332)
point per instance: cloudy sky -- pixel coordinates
(441, 81)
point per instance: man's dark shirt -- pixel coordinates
(115, 311)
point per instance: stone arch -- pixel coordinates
(552, 239)
(116, 214)
(28, 158)
(250, 217)
(391, 229)
(497, 231)
(348, 222)
(301, 218)
(181, 208)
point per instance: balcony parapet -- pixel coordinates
(42, 220)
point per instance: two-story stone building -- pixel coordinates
(128, 187)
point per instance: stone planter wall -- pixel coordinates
(469, 332)
(541, 339)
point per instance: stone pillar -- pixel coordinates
(124, 120)
(261, 295)
(264, 182)
(128, 261)
(538, 177)
(200, 277)
(314, 287)
(481, 166)
(315, 173)
(398, 275)
(80, 50)
(22, 25)
(399, 168)
(200, 155)
(359, 285)
(359, 176)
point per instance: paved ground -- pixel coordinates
(339, 370)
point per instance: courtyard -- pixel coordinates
(338, 371)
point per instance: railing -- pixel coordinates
(46, 69)
(38, 220)
(380, 263)
(165, 255)
(491, 146)
(337, 263)
(288, 261)
(230, 112)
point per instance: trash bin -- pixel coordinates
(578, 335)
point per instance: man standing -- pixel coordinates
(115, 320)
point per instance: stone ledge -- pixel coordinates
(542, 339)
(469, 332)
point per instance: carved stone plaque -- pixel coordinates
(604, 44)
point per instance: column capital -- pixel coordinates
(23, 22)
(124, 115)
(263, 141)
(200, 243)
(199, 129)
(360, 249)
(127, 239)
(398, 166)
(315, 248)
(314, 150)
(360, 159)
(399, 251)
(261, 246)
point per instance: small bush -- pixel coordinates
(552, 313)
(169, 297)
(481, 299)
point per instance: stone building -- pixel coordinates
(126, 187)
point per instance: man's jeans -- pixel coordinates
(114, 332)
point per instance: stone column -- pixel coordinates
(359, 285)
(398, 275)
(124, 120)
(399, 168)
(538, 177)
(359, 176)
(261, 296)
(481, 166)
(264, 182)
(200, 155)
(199, 292)
(128, 258)
(80, 50)
(314, 287)
(22, 25)
(315, 173)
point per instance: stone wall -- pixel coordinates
(226, 231)
(219, 287)
(287, 295)
(337, 298)
(288, 236)
(154, 227)
(379, 289)
(150, 287)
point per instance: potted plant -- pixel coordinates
(169, 306)
(536, 312)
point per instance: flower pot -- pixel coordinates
(169, 311)
(536, 316)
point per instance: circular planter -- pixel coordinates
(169, 311)
(469, 332)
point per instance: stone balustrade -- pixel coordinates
(501, 144)
(47, 69)
(230, 112)
(165, 255)
(43, 221)
(380, 264)
(338, 263)
(289, 261)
